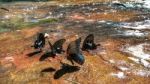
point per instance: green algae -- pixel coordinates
(17, 24)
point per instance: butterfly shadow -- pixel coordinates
(33, 53)
(50, 69)
(46, 55)
(65, 68)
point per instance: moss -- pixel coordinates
(48, 20)
(17, 23)
(44, 21)
(32, 24)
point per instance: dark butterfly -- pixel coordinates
(74, 53)
(56, 48)
(89, 44)
(39, 42)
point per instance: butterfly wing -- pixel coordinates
(57, 46)
(74, 47)
(74, 53)
(88, 39)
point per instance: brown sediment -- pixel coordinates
(95, 68)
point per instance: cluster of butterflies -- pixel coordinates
(74, 53)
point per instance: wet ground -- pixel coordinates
(121, 29)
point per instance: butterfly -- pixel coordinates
(56, 48)
(74, 53)
(88, 43)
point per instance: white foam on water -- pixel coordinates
(102, 21)
(123, 68)
(145, 3)
(140, 57)
(138, 51)
(136, 25)
(134, 59)
(115, 1)
(140, 61)
(143, 73)
(136, 33)
(145, 63)
(120, 75)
